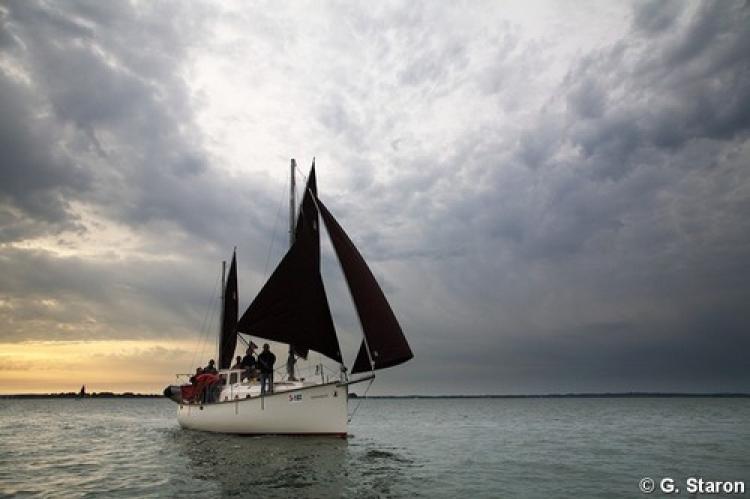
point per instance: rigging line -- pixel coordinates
(359, 400)
(202, 331)
(273, 235)
(204, 337)
(210, 324)
(215, 301)
(243, 339)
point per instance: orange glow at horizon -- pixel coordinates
(141, 366)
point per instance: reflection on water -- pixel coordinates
(272, 465)
(290, 466)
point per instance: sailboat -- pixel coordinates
(292, 307)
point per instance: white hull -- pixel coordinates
(310, 410)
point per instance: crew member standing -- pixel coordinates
(290, 361)
(266, 359)
(249, 363)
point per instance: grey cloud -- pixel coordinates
(587, 98)
(105, 121)
(536, 146)
(126, 112)
(654, 17)
(682, 89)
(35, 181)
(702, 34)
(432, 65)
(105, 299)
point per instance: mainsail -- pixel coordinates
(292, 306)
(383, 336)
(228, 336)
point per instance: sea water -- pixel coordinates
(600, 447)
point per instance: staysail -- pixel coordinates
(292, 306)
(383, 335)
(228, 338)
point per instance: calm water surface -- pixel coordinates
(397, 448)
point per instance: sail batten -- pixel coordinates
(292, 306)
(383, 335)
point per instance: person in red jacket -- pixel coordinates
(204, 383)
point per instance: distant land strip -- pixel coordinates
(410, 397)
(74, 395)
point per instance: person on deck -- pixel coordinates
(203, 390)
(211, 367)
(198, 372)
(249, 363)
(238, 363)
(188, 392)
(266, 360)
(290, 361)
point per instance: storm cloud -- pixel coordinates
(555, 198)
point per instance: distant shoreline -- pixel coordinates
(129, 395)
(73, 395)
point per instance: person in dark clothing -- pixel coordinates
(210, 368)
(249, 364)
(237, 363)
(290, 361)
(266, 360)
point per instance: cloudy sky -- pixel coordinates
(554, 195)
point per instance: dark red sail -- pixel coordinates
(383, 334)
(228, 338)
(292, 306)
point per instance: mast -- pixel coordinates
(221, 318)
(292, 204)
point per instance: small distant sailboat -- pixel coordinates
(82, 393)
(292, 307)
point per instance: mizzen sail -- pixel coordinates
(228, 338)
(292, 306)
(383, 335)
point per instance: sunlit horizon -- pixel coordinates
(118, 366)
